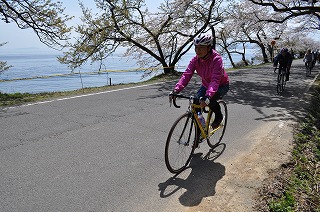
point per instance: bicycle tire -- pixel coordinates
(180, 144)
(215, 135)
(283, 82)
(280, 81)
(279, 89)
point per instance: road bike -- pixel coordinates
(184, 136)
(281, 79)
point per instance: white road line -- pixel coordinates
(84, 95)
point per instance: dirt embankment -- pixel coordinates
(238, 189)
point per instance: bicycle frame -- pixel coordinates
(192, 108)
(282, 71)
(281, 79)
(184, 135)
(195, 115)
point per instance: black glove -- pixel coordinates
(172, 93)
(205, 99)
(172, 96)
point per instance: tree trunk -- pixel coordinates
(263, 50)
(230, 58)
(244, 59)
(244, 55)
(214, 39)
(264, 54)
(168, 70)
(270, 51)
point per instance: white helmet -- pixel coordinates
(203, 40)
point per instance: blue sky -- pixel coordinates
(25, 40)
(21, 40)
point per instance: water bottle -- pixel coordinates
(202, 120)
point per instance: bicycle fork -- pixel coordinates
(186, 143)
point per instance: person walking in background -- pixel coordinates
(314, 59)
(308, 59)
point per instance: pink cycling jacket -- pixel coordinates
(210, 70)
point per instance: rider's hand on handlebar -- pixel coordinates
(171, 96)
(204, 101)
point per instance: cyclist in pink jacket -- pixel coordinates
(209, 66)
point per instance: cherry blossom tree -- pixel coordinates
(45, 17)
(243, 26)
(3, 64)
(158, 38)
(290, 9)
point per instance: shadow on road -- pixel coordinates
(257, 87)
(198, 180)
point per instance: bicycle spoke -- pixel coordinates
(281, 80)
(179, 145)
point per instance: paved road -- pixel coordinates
(105, 152)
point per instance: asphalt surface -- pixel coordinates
(105, 151)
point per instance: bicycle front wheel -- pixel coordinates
(283, 81)
(215, 135)
(280, 81)
(180, 143)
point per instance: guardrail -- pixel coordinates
(80, 73)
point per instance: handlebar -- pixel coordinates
(174, 96)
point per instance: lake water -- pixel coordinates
(54, 76)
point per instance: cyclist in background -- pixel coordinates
(284, 59)
(215, 81)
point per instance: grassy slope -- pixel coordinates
(295, 186)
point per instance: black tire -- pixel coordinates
(283, 82)
(280, 81)
(215, 135)
(279, 89)
(180, 143)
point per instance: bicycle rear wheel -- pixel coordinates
(180, 143)
(215, 135)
